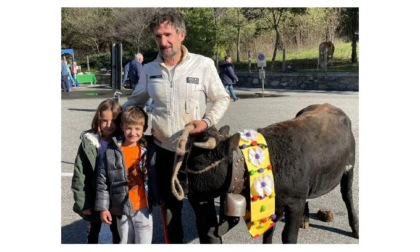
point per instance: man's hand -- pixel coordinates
(87, 212)
(106, 217)
(199, 126)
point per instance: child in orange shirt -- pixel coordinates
(122, 181)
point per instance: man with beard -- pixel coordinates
(179, 82)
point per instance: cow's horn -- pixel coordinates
(209, 144)
(183, 139)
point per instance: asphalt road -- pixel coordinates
(250, 112)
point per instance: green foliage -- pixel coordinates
(235, 31)
(342, 50)
(100, 60)
(200, 33)
(306, 60)
(350, 24)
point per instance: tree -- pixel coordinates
(272, 18)
(333, 21)
(350, 28)
(239, 23)
(230, 27)
(86, 28)
(131, 27)
(355, 33)
(201, 32)
(217, 14)
(210, 31)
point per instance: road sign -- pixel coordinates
(261, 60)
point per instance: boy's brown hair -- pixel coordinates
(135, 115)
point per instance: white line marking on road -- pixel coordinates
(66, 174)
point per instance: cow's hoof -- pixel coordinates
(355, 235)
(304, 224)
(325, 215)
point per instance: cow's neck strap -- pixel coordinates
(259, 218)
(238, 171)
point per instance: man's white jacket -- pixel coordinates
(180, 95)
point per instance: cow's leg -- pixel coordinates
(206, 220)
(305, 219)
(226, 223)
(268, 235)
(347, 195)
(293, 217)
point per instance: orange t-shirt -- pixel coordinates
(136, 191)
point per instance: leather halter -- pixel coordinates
(238, 170)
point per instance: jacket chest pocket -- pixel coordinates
(157, 87)
(193, 94)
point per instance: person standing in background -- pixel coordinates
(135, 69)
(64, 77)
(73, 71)
(228, 76)
(126, 70)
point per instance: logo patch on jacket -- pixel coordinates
(192, 80)
(155, 76)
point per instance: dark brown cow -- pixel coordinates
(325, 48)
(310, 155)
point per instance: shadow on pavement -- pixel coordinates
(75, 233)
(331, 229)
(84, 110)
(106, 91)
(190, 232)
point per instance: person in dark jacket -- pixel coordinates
(64, 77)
(123, 181)
(228, 76)
(126, 70)
(135, 69)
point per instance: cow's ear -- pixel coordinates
(234, 141)
(224, 130)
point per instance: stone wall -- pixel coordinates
(302, 81)
(293, 81)
(102, 78)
